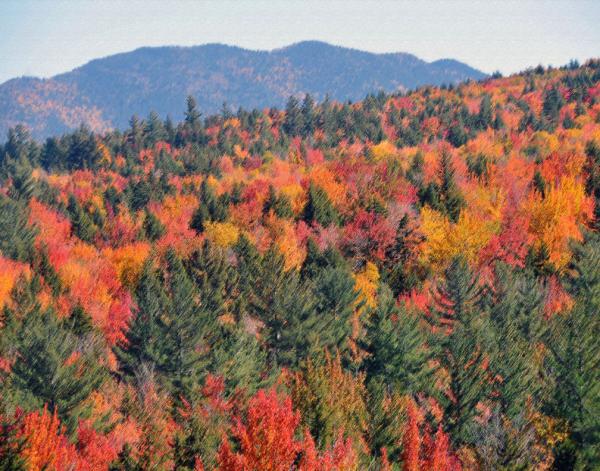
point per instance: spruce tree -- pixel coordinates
(188, 328)
(458, 321)
(517, 324)
(145, 333)
(336, 300)
(574, 360)
(319, 208)
(153, 228)
(42, 375)
(397, 355)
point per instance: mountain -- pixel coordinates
(105, 93)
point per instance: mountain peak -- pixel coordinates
(106, 92)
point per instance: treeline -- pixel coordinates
(409, 282)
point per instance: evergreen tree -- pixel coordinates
(125, 462)
(142, 346)
(458, 322)
(517, 322)
(16, 235)
(154, 130)
(214, 277)
(574, 361)
(292, 122)
(81, 223)
(336, 300)
(319, 208)
(188, 327)
(397, 354)
(45, 373)
(79, 322)
(153, 228)
(11, 446)
(450, 198)
(241, 362)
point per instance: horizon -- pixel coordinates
(488, 36)
(177, 46)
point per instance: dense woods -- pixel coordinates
(410, 282)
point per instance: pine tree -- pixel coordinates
(125, 462)
(241, 362)
(154, 130)
(11, 446)
(396, 347)
(293, 122)
(16, 235)
(153, 228)
(214, 277)
(146, 330)
(336, 300)
(187, 329)
(517, 323)
(45, 373)
(458, 322)
(450, 198)
(319, 208)
(81, 223)
(574, 361)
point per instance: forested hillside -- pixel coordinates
(410, 282)
(106, 92)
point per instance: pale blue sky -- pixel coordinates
(43, 37)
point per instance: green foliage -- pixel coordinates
(16, 236)
(397, 355)
(459, 322)
(81, 223)
(574, 360)
(141, 347)
(153, 228)
(54, 367)
(319, 208)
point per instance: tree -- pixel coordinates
(154, 130)
(11, 445)
(293, 120)
(517, 324)
(458, 322)
(187, 330)
(266, 439)
(52, 368)
(574, 361)
(81, 223)
(450, 198)
(141, 347)
(16, 235)
(397, 353)
(153, 228)
(319, 208)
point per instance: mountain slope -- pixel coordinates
(106, 92)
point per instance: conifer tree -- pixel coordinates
(153, 228)
(397, 353)
(574, 361)
(146, 329)
(81, 223)
(44, 372)
(16, 235)
(458, 321)
(319, 208)
(188, 327)
(517, 323)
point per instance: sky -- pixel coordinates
(47, 37)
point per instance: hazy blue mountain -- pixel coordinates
(106, 92)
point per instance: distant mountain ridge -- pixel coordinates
(106, 92)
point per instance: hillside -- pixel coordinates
(105, 93)
(407, 282)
